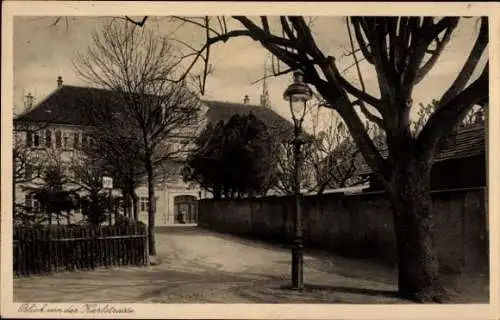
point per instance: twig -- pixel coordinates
(355, 57)
(273, 75)
(137, 23)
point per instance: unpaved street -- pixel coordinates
(198, 266)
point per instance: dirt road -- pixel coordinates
(197, 266)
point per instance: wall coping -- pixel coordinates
(340, 195)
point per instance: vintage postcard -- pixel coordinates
(250, 160)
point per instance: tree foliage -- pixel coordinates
(232, 159)
(56, 198)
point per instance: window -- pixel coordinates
(27, 202)
(65, 140)
(36, 139)
(144, 204)
(58, 140)
(28, 172)
(69, 173)
(86, 141)
(76, 140)
(31, 204)
(77, 200)
(48, 139)
(36, 205)
(29, 139)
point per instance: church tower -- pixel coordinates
(264, 97)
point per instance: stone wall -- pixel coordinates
(359, 226)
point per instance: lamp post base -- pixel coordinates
(297, 266)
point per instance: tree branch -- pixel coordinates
(361, 95)
(275, 74)
(363, 44)
(470, 65)
(370, 116)
(444, 118)
(137, 23)
(440, 45)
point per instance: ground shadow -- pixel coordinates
(352, 290)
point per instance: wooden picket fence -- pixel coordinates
(47, 249)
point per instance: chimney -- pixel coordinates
(28, 101)
(246, 100)
(59, 81)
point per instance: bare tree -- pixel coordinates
(284, 164)
(149, 109)
(113, 155)
(29, 153)
(402, 51)
(334, 156)
(331, 157)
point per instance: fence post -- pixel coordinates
(146, 251)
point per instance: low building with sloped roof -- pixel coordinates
(459, 161)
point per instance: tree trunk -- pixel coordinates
(125, 204)
(321, 189)
(151, 210)
(135, 205)
(413, 224)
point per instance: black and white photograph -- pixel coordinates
(274, 159)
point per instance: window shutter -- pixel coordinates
(29, 138)
(85, 139)
(65, 141)
(58, 139)
(48, 139)
(28, 172)
(76, 140)
(27, 201)
(36, 139)
(143, 204)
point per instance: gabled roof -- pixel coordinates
(72, 105)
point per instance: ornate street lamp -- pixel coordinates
(297, 94)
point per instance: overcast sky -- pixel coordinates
(43, 51)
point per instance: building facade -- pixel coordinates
(57, 127)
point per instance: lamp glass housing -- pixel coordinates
(297, 94)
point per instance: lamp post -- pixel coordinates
(297, 94)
